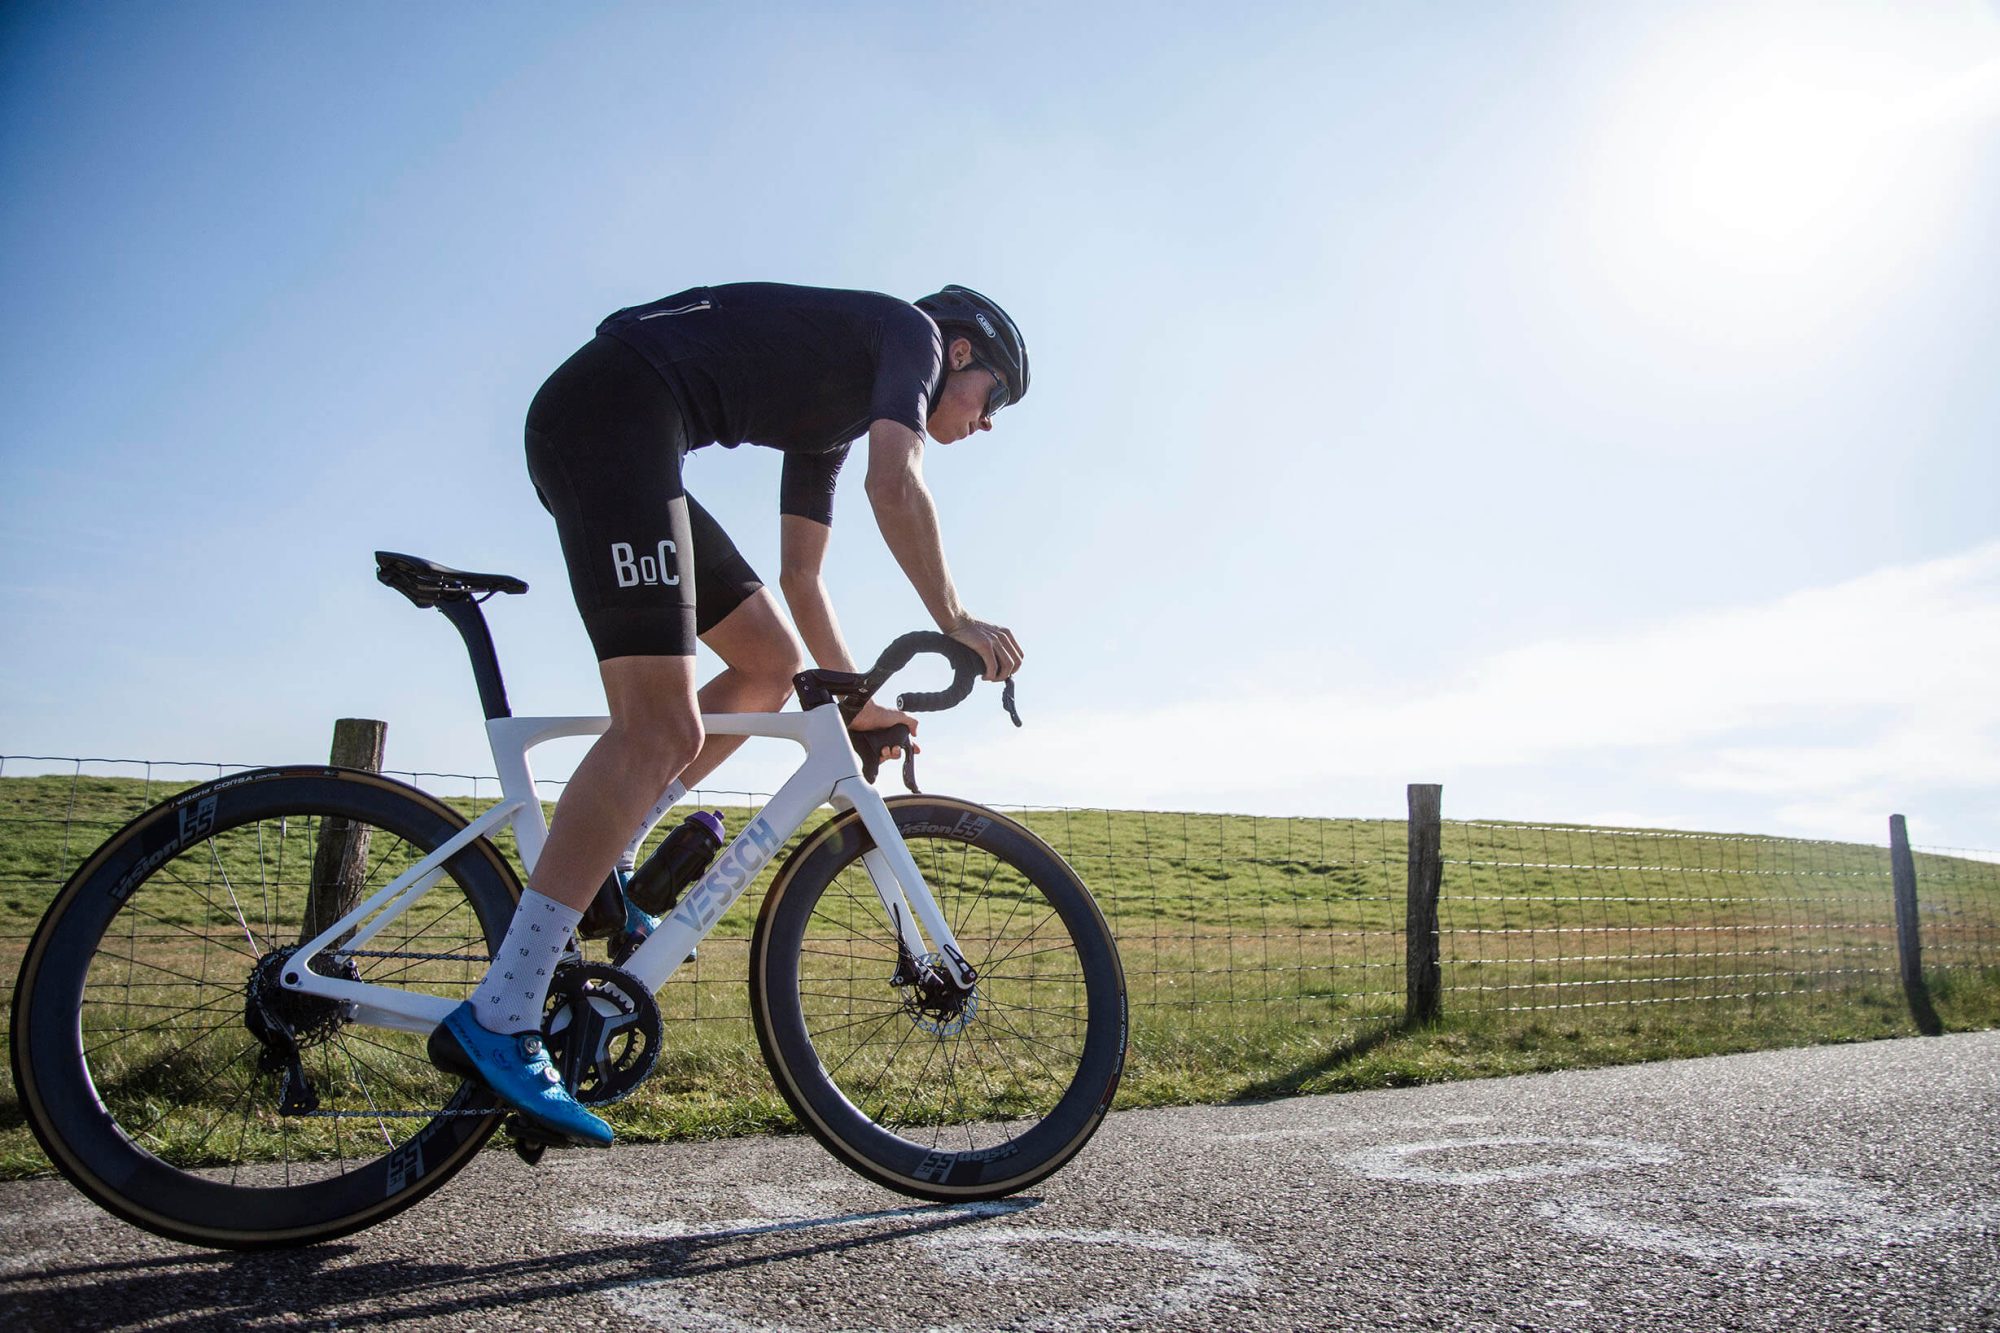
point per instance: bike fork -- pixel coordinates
(900, 885)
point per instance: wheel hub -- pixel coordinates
(306, 1020)
(933, 1000)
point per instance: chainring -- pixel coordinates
(603, 1031)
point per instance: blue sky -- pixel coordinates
(1588, 407)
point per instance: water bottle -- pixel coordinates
(676, 863)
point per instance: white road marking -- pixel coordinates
(992, 1257)
(1800, 1215)
(1562, 1157)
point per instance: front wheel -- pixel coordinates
(940, 1094)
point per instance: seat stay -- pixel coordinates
(388, 1006)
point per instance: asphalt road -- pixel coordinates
(1847, 1187)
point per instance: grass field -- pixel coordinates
(1262, 957)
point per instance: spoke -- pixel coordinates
(191, 934)
(127, 1033)
(858, 1047)
(814, 1034)
(404, 1091)
(1073, 1012)
(875, 947)
(1032, 934)
(895, 1002)
(196, 1040)
(819, 913)
(917, 1083)
(1066, 945)
(355, 1066)
(1031, 1043)
(134, 961)
(173, 1107)
(215, 859)
(951, 1081)
(886, 1064)
(168, 873)
(249, 1086)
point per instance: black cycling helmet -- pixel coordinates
(960, 312)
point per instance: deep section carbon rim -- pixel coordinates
(924, 1087)
(150, 1036)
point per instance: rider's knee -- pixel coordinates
(771, 668)
(777, 678)
(660, 747)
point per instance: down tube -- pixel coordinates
(735, 868)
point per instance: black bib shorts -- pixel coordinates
(650, 569)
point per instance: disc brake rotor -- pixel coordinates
(933, 1002)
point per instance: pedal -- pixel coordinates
(529, 1143)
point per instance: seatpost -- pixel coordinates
(464, 613)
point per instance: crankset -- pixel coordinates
(603, 1031)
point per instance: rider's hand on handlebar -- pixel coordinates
(875, 717)
(995, 645)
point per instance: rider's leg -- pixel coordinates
(604, 443)
(655, 729)
(495, 1036)
(760, 654)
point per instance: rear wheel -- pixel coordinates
(919, 1085)
(152, 1041)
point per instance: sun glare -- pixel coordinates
(1772, 168)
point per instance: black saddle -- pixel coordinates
(427, 583)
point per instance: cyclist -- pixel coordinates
(804, 370)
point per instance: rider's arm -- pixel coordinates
(909, 524)
(908, 518)
(801, 557)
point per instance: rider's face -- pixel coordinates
(961, 408)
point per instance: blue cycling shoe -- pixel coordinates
(516, 1067)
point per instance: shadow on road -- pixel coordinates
(200, 1290)
(1347, 1052)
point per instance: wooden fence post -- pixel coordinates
(340, 861)
(1424, 975)
(1903, 868)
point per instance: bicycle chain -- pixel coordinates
(386, 1115)
(405, 953)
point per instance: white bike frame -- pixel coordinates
(830, 774)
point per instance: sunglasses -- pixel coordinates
(997, 397)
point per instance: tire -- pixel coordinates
(976, 1113)
(132, 1046)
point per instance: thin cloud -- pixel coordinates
(1826, 700)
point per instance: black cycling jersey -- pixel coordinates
(802, 369)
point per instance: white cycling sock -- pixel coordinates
(629, 858)
(510, 999)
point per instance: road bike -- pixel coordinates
(219, 1026)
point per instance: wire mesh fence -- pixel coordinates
(1958, 909)
(1234, 926)
(1549, 917)
(1239, 920)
